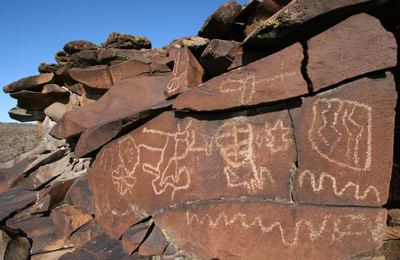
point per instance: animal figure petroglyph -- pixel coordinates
(318, 185)
(247, 86)
(341, 132)
(168, 172)
(316, 229)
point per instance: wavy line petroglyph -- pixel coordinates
(248, 86)
(341, 132)
(235, 142)
(315, 230)
(318, 185)
(177, 77)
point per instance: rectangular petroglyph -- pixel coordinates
(345, 143)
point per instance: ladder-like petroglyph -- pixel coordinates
(317, 185)
(341, 132)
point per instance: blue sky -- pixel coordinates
(31, 32)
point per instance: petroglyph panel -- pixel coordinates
(273, 78)
(179, 158)
(345, 143)
(279, 231)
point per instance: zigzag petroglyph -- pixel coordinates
(318, 185)
(315, 231)
(355, 136)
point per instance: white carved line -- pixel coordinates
(314, 232)
(353, 154)
(318, 185)
(176, 80)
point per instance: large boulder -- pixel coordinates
(126, 41)
(77, 46)
(219, 23)
(30, 83)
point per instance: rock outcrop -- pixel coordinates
(273, 134)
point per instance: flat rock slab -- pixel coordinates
(254, 230)
(94, 137)
(187, 73)
(127, 96)
(80, 195)
(14, 200)
(68, 219)
(29, 83)
(33, 100)
(345, 144)
(129, 68)
(95, 77)
(274, 78)
(175, 159)
(353, 47)
(24, 115)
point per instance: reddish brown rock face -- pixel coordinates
(345, 142)
(187, 73)
(336, 55)
(29, 83)
(95, 77)
(162, 163)
(273, 78)
(262, 230)
(127, 96)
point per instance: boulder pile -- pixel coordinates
(272, 134)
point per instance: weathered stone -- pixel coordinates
(89, 98)
(173, 159)
(68, 219)
(219, 22)
(49, 67)
(13, 246)
(154, 244)
(94, 137)
(274, 78)
(85, 234)
(95, 77)
(33, 100)
(55, 255)
(43, 129)
(344, 140)
(196, 45)
(335, 55)
(244, 58)
(253, 230)
(129, 68)
(45, 173)
(62, 57)
(262, 12)
(80, 195)
(134, 236)
(16, 175)
(126, 41)
(25, 115)
(75, 87)
(44, 234)
(248, 10)
(83, 59)
(127, 96)
(56, 110)
(100, 247)
(187, 73)
(77, 46)
(29, 83)
(393, 225)
(301, 19)
(215, 58)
